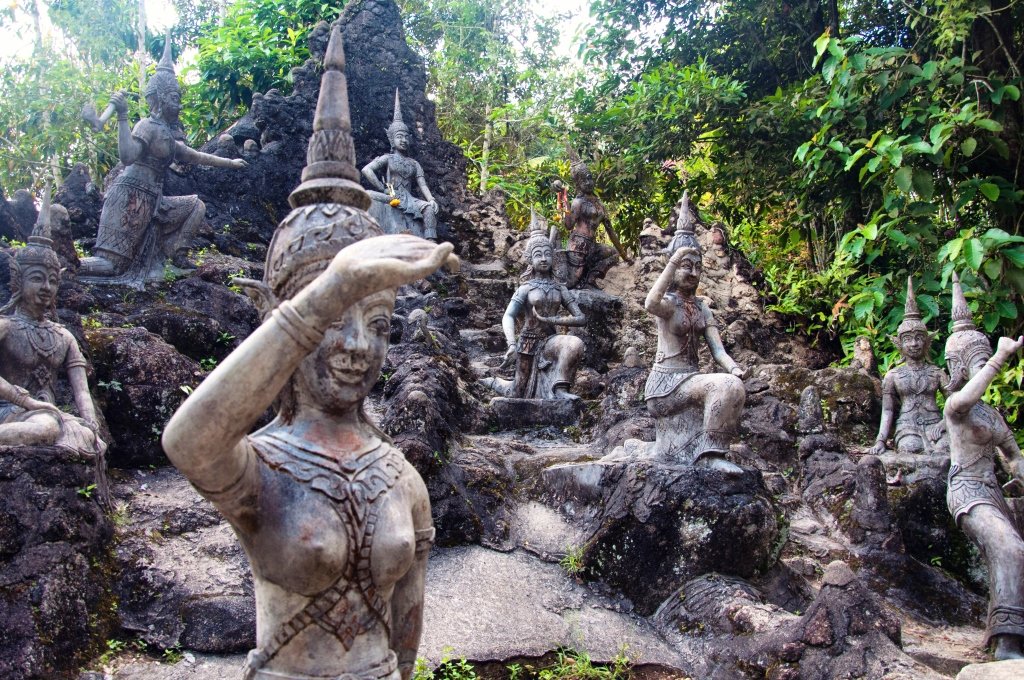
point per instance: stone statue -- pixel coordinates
(587, 259)
(976, 432)
(696, 413)
(394, 206)
(911, 387)
(34, 349)
(546, 361)
(140, 228)
(335, 521)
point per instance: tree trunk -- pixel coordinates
(485, 155)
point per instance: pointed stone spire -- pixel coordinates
(686, 228)
(164, 80)
(330, 175)
(167, 59)
(397, 118)
(537, 224)
(910, 310)
(39, 250)
(41, 230)
(684, 221)
(963, 319)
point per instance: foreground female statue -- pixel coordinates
(912, 387)
(697, 414)
(976, 431)
(335, 522)
(400, 173)
(546, 361)
(140, 228)
(33, 351)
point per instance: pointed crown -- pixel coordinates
(329, 207)
(577, 168)
(686, 235)
(966, 341)
(397, 124)
(164, 80)
(538, 233)
(39, 250)
(911, 314)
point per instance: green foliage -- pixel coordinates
(572, 561)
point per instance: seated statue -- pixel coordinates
(335, 521)
(34, 350)
(912, 387)
(975, 499)
(546, 361)
(696, 414)
(588, 260)
(140, 228)
(394, 206)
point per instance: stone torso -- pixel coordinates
(33, 352)
(544, 296)
(158, 155)
(916, 387)
(402, 172)
(586, 213)
(680, 336)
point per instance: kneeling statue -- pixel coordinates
(546, 361)
(975, 499)
(697, 414)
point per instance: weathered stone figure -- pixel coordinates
(588, 260)
(696, 413)
(140, 228)
(410, 214)
(335, 521)
(34, 350)
(546, 361)
(976, 431)
(911, 388)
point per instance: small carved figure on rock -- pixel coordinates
(394, 205)
(33, 350)
(335, 521)
(587, 259)
(975, 499)
(697, 414)
(546, 361)
(140, 228)
(911, 387)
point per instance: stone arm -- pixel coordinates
(83, 399)
(185, 154)
(615, 239)
(407, 598)
(205, 437)
(424, 189)
(129, 149)
(19, 396)
(656, 303)
(514, 311)
(714, 340)
(959, 403)
(576, 318)
(1011, 453)
(888, 415)
(371, 169)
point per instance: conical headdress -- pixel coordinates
(911, 314)
(329, 207)
(966, 342)
(577, 168)
(538, 233)
(686, 235)
(397, 124)
(164, 80)
(39, 251)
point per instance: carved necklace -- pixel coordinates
(42, 336)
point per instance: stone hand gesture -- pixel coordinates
(389, 261)
(120, 102)
(1008, 346)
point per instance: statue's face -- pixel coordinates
(38, 288)
(400, 140)
(540, 259)
(688, 274)
(914, 344)
(344, 368)
(170, 104)
(962, 368)
(586, 184)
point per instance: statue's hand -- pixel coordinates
(1008, 346)
(878, 449)
(433, 204)
(537, 315)
(39, 405)
(739, 372)
(119, 101)
(239, 163)
(390, 261)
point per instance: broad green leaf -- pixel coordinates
(904, 178)
(989, 124)
(974, 252)
(991, 191)
(924, 185)
(1007, 309)
(1014, 255)
(990, 320)
(968, 146)
(993, 269)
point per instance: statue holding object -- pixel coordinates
(546, 361)
(911, 388)
(394, 206)
(975, 499)
(335, 521)
(696, 414)
(588, 260)
(140, 228)
(34, 349)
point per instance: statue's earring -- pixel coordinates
(260, 293)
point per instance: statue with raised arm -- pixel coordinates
(335, 521)
(140, 228)
(587, 259)
(34, 350)
(910, 389)
(976, 432)
(545, 360)
(696, 414)
(393, 176)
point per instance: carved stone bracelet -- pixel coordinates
(306, 335)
